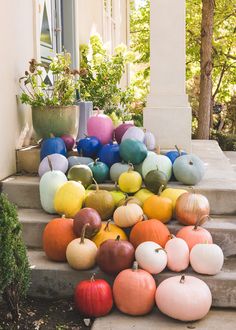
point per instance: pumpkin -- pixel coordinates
(133, 151)
(100, 171)
(151, 257)
(58, 161)
(81, 252)
(190, 207)
(174, 154)
(108, 231)
(81, 173)
(117, 169)
(149, 140)
(149, 230)
(130, 200)
(53, 145)
(195, 234)
(102, 201)
(109, 154)
(133, 133)
(134, 291)
(157, 207)
(120, 131)
(189, 169)
(93, 298)
(185, 298)
(154, 180)
(69, 198)
(130, 181)
(90, 216)
(75, 160)
(48, 186)
(69, 141)
(206, 258)
(143, 194)
(57, 234)
(118, 196)
(177, 254)
(89, 146)
(154, 161)
(115, 255)
(127, 215)
(100, 126)
(173, 194)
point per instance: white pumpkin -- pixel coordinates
(117, 169)
(149, 140)
(206, 258)
(154, 161)
(58, 162)
(133, 133)
(128, 215)
(151, 257)
(177, 254)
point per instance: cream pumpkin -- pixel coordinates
(177, 254)
(128, 215)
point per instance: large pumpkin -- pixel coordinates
(149, 230)
(133, 151)
(100, 126)
(185, 298)
(57, 234)
(189, 169)
(108, 231)
(134, 291)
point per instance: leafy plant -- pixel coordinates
(14, 266)
(38, 91)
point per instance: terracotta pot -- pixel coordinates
(56, 120)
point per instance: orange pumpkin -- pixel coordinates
(57, 234)
(134, 291)
(149, 230)
(157, 207)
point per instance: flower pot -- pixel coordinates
(56, 120)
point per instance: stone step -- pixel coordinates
(57, 280)
(223, 229)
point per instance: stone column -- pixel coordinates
(168, 114)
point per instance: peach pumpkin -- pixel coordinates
(128, 215)
(149, 230)
(185, 298)
(134, 291)
(57, 234)
(177, 254)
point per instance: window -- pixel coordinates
(111, 22)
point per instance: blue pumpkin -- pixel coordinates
(53, 145)
(109, 154)
(89, 146)
(100, 171)
(174, 154)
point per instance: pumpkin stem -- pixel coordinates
(107, 226)
(96, 160)
(83, 233)
(118, 238)
(50, 163)
(131, 167)
(145, 130)
(190, 162)
(135, 266)
(92, 277)
(127, 201)
(178, 150)
(182, 280)
(160, 189)
(201, 221)
(97, 186)
(86, 135)
(98, 110)
(145, 217)
(171, 236)
(51, 135)
(158, 150)
(63, 216)
(160, 249)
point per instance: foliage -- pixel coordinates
(14, 266)
(37, 91)
(227, 142)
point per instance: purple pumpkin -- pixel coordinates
(69, 141)
(120, 131)
(100, 126)
(58, 161)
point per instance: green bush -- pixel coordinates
(227, 142)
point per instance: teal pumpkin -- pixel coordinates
(117, 169)
(100, 171)
(154, 161)
(189, 169)
(133, 151)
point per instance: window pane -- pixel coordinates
(45, 35)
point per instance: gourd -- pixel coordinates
(134, 291)
(128, 215)
(149, 140)
(143, 194)
(174, 154)
(130, 181)
(173, 194)
(89, 146)
(133, 133)
(100, 171)
(154, 180)
(81, 173)
(53, 145)
(57, 234)
(69, 198)
(77, 160)
(177, 254)
(108, 231)
(48, 185)
(154, 161)
(58, 161)
(81, 252)
(149, 230)
(117, 195)
(151, 257)
(120, 131)
(109, 154)
(206, 258)
(93, 298)
(185, 298)
(189, 169)
(117, 169)
(133, 151)
(90, 216)
(100, 126)
(69, 141)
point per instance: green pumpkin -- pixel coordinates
(100, 171)
(81, 173)
(154, 180)
(133, 151)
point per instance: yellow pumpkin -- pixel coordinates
(157, 207)
(173, 194)
(69, 198)
(128, 215)
(143, 194)
(108, 231)
(130, 181)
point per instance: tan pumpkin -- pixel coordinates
(128, 215)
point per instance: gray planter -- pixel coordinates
(85, 111)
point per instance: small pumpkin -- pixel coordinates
(120, 131)
(130, 181)
(100, 171)
(177, 254)
(134, 291)
(81, 173)
(69, 141)
(90, 216)
(173, 194)
(130, 200)
(52, 145)
(189, 169)
(174, 154)
(58, 163)
(110, 154)
(117, 169)
(89, 146)
(79, 160)
(133, 132)
(149, 140)
(128, 215)
(133, 151)
(118, 195)
(143, 194)
(154, 180)
(154, 160)
(108, 231)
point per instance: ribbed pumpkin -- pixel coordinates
(127, 215)
(149, 230)
(57, 234)
(108, 231)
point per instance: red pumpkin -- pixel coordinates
(57, 234)
(93, 298)
(149, 230)
(90, 216)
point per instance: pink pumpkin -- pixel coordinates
(101, 126)
(185, 298)
(177, 254)
(194, 235)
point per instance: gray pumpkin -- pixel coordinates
(189, 169)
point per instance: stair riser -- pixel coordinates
(26, 196)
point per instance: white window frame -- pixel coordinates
(111, 22)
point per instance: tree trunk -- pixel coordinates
(204, 112)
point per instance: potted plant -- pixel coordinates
(53, 103)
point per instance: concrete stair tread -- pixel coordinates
(27, 215)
